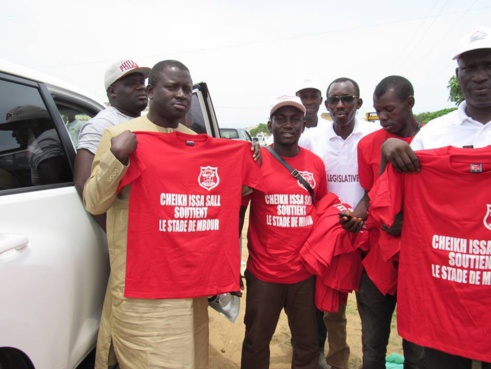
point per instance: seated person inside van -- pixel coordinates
(34, 131)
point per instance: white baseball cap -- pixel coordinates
(122, 68)
(287, 100)
(480, 38)
(308, 82)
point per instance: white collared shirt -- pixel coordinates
(339, 157)
(453, 129)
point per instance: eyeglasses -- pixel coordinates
(347, 99)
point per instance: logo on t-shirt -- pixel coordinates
(487, 218)
(309, 178)
(208, 177)
(475, 168)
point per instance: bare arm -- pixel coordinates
(400, 154)
(242, 218)
(256, 152)
(358, 216)
(82, 169)
(242, 213)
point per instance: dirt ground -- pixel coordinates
(226, 337)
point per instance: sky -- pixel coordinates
(248, 51)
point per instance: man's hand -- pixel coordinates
(239, 293)
(123, 145)
(396, 228)
(256, 152)
(349, 222)
(400, 154)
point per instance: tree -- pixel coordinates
(456, 95)
(425, 117)
(261, 127)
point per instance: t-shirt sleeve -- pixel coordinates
(365, 173)
(251, 172)
(386, 196)
(135, 169)
(90, 135)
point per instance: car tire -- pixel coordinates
(14, 359)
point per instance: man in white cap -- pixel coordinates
(281, 218)
(124, 82)
(467, 127)
(309, 90)
(469, 124)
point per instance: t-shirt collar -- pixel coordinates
(357, 129)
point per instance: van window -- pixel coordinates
(74, 117)
(31, 152)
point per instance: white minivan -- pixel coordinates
(53, 256)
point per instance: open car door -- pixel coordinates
(201, 117)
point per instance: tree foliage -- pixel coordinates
(261, 127)
(425, 117)
(456, 96)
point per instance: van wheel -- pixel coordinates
(14, 359)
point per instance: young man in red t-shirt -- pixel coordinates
(393, 100)
(281, 218)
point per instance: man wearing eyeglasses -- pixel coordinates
(336, 144)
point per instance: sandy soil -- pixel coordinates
(226, 337)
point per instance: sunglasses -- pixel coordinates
(347, 99)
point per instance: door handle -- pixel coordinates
(12, 241)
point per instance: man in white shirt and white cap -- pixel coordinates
(469, 126)
(309, 90)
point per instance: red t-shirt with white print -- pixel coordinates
(281, 217)
(183, 214)
(444, 285)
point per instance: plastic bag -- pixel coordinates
(394, 361)
(226, 304)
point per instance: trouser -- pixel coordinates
(436, 359)
(321, 330)
(339, 351)
(161, 333)
(264, 303)
(376, 312)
